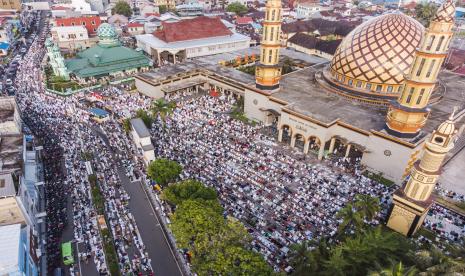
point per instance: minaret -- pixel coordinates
(408, 114)
(412, 202)
(268, 70)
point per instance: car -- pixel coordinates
(8, 82)
(23, 50)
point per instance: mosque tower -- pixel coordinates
(268, 70)
(408, 114)
(412, 202)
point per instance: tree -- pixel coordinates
(162, 9)
(288, 65)
(127, 125)
(188, 189)
(350, 218)
(367, 205)
(396, 270)
(122, 8)
(424, 12)
(301, 259)
(237, 8)
(163, 171)
(162, 108)
(146, 118)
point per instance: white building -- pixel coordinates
(190, 38)
(141, 137)
(72, 37)
(308, 8)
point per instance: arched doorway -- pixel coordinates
(299, 142)
(314, 144)
(285, 134)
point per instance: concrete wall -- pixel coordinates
(149, 90)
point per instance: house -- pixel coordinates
(313, 46)
(141, 136)
(91, 23)
(190, 38)
(135, 28)
(244, 20)
(72, 37)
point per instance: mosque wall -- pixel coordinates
(256, 103)
(388, 157)
(149, 89)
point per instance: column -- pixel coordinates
(159, 58)
(348, 150)
(293, 141)
(331, 145)
(321, 152)
(280, 135)
(174, 58)
(306, 145)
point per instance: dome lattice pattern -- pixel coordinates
(106, 30)
(446, 12)
(379, 51)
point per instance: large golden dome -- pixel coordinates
(374, 58)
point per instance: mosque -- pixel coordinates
(106, 59)
(378, 99)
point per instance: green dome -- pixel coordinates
(106, 31)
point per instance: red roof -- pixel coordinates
(244, 20)
(135, 25)
(190, 29)
(151, 13)
(59, 8)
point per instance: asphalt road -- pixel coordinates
(163, 260)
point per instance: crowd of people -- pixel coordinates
(69, 136)
(281, 197)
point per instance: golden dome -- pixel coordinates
(375, 56)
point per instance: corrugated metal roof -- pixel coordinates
(140, 128)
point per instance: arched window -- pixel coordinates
(420, 97)
(273, 14)
(430, 69)
(271, 33)
(430, 43)
(410, 95)
(440, 43)
(266, 33)
(423, 193)
(270, 54)
(263, 55)
(276, 56)
(422, 63)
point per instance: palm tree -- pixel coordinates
(396, 270)
(300, 257)
(367, 205)
(436, 263)
(350, 218)
(337, 264)
(162, 108)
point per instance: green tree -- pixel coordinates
(367, 205)
(188, 189)
(351, 218)
(162, 108)
(146, 118)
(396, 270)
(122, 8)
(237, 8)
(163, 171)
(424, 12)
(301, 259)
(162, 9)
(127, 125)
(288, 65)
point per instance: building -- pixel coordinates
(15, 245)
(10, 5)
(311, 45)
(412, 202)
(91, 23)
(141, 137)
(340, 108)
(72, 37)
(306, 9)
(135, 29)
(190, 9)
(107, 59)
(56, 60)
(190, 38)
(170, 4)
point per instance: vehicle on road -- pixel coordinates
(67, 253)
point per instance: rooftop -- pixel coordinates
(7, 187)
(191, 29)
(140, 128)
(10, 212)
(10, 236)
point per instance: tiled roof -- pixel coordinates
(311, 42)
(323, 26)
(244, 20)
(190, 29)
(135, 25)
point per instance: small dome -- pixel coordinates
(376, 56)
(448, 127)
(446, 12)
(106, 31)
